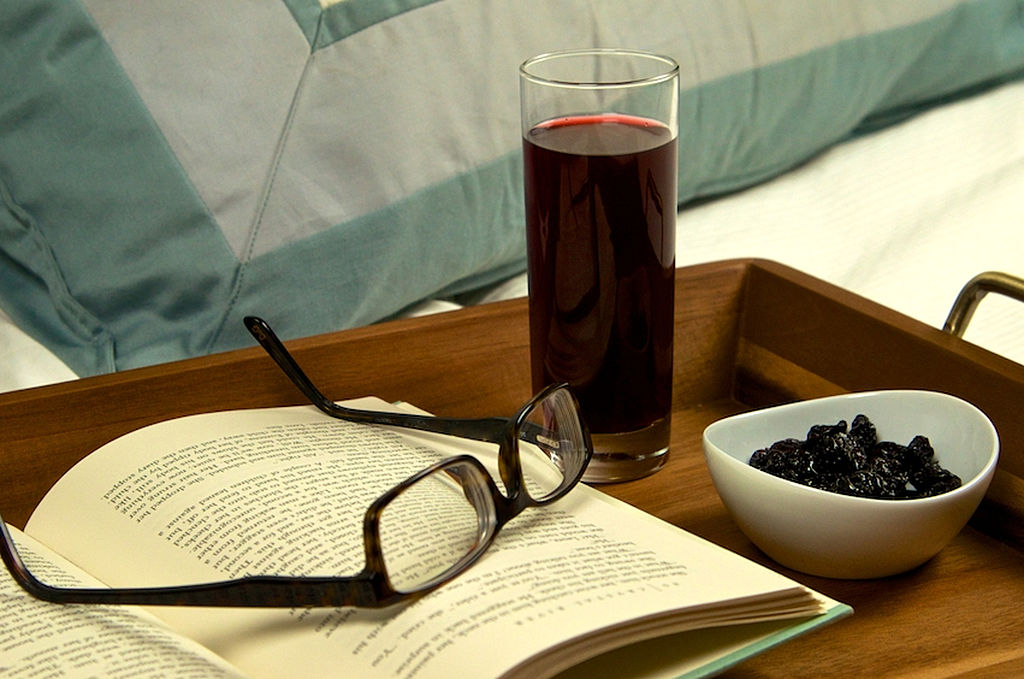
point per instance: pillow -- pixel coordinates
(169, 167)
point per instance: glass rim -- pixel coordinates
(671, 71)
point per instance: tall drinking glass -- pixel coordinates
(599, 150)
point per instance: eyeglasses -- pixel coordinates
(419, 534)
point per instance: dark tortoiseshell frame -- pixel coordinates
(371, 587)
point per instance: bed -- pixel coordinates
(878, 146)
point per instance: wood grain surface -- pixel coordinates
(749, 333)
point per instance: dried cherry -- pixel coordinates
(852, 461)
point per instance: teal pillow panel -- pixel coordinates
(751, 125)
(108, 253)
(961, 52)
(367, 265)
(167, 168)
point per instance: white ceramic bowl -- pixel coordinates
(840, 536)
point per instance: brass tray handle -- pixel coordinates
(972, 294)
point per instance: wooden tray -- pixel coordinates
(748, 333)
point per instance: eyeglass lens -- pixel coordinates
(434, 525)
(551, 445)
(442, 520)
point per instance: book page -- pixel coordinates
(41, 639)
(284, 490)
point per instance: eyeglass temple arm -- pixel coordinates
(252, 591)
(490, 429)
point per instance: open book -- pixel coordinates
(283, 491)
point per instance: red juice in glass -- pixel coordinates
(600, 212)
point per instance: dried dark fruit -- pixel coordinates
(855, 462)
(863, 432)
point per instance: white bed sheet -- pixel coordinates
(24, 362)
(905, 216)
